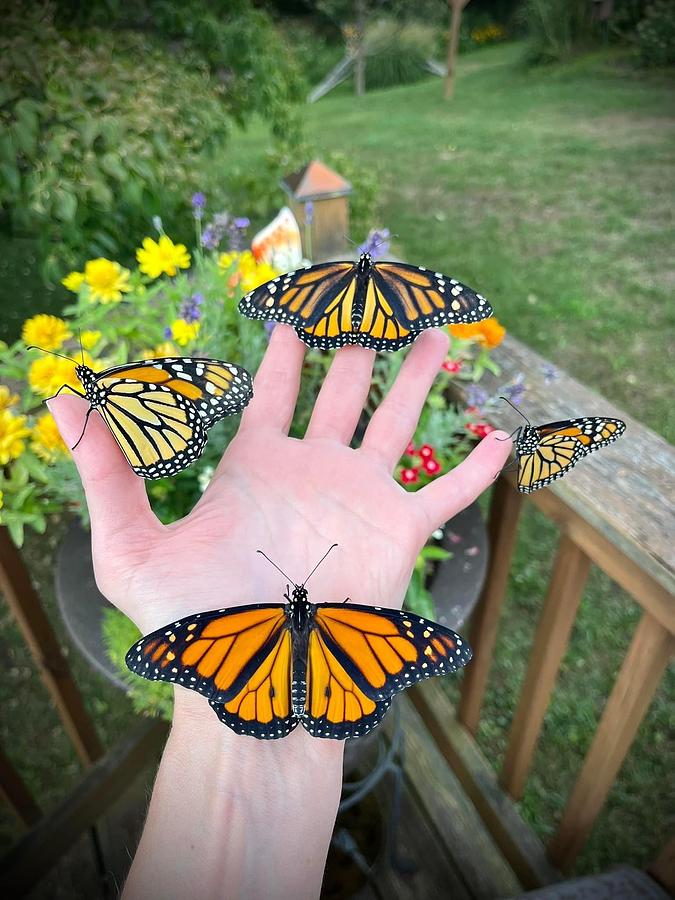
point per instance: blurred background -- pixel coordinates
(541, 171)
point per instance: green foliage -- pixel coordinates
(112, 126)
(152, 698)
(656, 34)
(556, 28)
(397, 52)
(418, 598)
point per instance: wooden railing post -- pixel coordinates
(640, 674)
(37, 631)
(502, 529)
(568, 579)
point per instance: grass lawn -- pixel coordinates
(551, 193)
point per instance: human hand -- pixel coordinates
(223, 803)
(291, 498)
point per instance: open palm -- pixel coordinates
(291, 498)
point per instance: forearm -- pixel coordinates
(234, 817)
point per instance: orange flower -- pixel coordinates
(490, 332)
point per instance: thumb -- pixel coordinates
(116, 496)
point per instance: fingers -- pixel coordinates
(342, 396)
(276, 384)
(393, 423)
(116, 496)
(444, 497)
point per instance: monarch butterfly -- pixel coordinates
(382, 305)
(333, 667)
(547, 452)
(159, 410)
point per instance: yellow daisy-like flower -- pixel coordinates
(47, 374)
(162, 257)
(225, 260)
(73, 281)
(106, 280)
(90, 339)
(47, 332)
(46, 439)
(7, 398)
(490, 332)
(12, 433)
(249, 273)
(166, 348)
(183, 332)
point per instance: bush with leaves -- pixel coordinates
(556, 29)
(102, 126)
(656, 34)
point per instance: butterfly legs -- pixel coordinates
(70, 388)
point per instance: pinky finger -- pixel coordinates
(450, 494)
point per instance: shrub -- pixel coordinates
(556, 28)
(112, 127)
(656, 34)
(396, 53)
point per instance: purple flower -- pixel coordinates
(236, 231)
(198, 204)
(550, 373)
(215, 231)
(309, 212)
(190, 310)
(269, 328)
(377, 243)
(168, 333)
(476, 396)
(516, 390)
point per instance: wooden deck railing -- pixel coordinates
(614, 511)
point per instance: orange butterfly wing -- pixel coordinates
(262, 708)
(386, 651)
(335, 706)
(215, 653)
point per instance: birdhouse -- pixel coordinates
(319, 199)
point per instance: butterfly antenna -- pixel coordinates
(52, 352)
(506, 399)
(347, 238)
(275, 566)
(332, 547)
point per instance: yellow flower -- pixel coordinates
(47, 332)
(90, 339)
(107, 280)
(166, 348)
(183, 332)
(490, 332)
(46, 439)
(249, 273)
(47, 374)
(7, 398)
(12, 433)
(162, 257)
(73, 281)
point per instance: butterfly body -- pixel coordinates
(159, 410)
(547, 452)
(332, 667)
(380, 305)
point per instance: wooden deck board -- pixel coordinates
(626, 492)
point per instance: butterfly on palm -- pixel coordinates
(547, 452)
(159, 410)
(381, 305)
(333, 667)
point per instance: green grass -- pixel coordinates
(550, 191)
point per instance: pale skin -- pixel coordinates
(231, 816)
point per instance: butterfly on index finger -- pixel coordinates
(381, 305)
(333, 667)
(160, 410)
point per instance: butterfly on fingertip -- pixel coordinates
(159, 410)
(332, 667)
(547, 452)
(381, 305)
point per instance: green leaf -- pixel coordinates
(15, 528)
(433, 552)
(65, 205)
